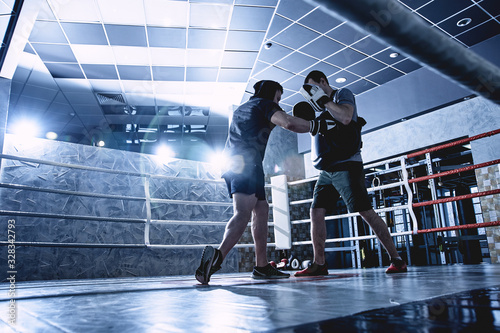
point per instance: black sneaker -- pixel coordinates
(211, 261)
(268, 272)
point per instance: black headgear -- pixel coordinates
(267, 89)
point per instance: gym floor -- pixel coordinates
(448, 298)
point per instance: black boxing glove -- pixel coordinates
(303, 110)
(321, 126)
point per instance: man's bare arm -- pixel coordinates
(290, 123)
(341, 112)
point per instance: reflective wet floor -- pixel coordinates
(451, 298)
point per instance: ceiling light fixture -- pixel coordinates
(164, 151)
(340, 80)
(394, 55)
(51, 135)
(26, 128)
(463, 22)
(268, 45)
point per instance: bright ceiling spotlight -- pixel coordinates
(219, 161)
(51, 135)
(26, 128)
(218, 158)
(463, 22)
(394, 55)
(101, 143)
(164, 153)
(340, 80)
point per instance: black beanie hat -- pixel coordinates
(267, 89)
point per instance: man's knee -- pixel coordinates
(317, 214)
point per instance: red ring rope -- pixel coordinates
(451, 172)
(452, 144)
(464, 226)
(460, 197)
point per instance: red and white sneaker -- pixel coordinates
(314, 270)
(397, 266)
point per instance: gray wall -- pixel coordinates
(41, 263)
(468, 118)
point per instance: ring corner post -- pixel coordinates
(281, 213)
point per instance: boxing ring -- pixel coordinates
(404, 183)
(280, 206)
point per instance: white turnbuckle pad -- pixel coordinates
(281, 213)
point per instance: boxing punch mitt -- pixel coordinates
(315, 96)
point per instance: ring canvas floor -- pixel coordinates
(449, 298)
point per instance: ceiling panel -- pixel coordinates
(167, 37)
(209, 15)
(251, 18)
(239, 59)
(177, 13)
(279, 23)
(366, 66)
(345, 34)
(47, 32)
(54, 52)
(296, 62)
(322, 47)
(73, 10)
(134, 72)
(101, 72)
(407, 65)
(234, 74)
(369, 46)
(345, 57)
(465, 20)
(244, 40)
(293, 9)
(168, 73)
(385, 75)
(65, 71)
(157, 61)
(126, 35)
(481, 33)
(94, 54)
(205, 74)
(274, 53)
(122, 12)
(85, 33)
(206, 39)
(319, 21)
(295, 36)
(490, 6)
(437, 11)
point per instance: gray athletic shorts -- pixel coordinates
(251, 181)
(347, 182)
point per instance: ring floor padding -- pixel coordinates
(450, 298)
